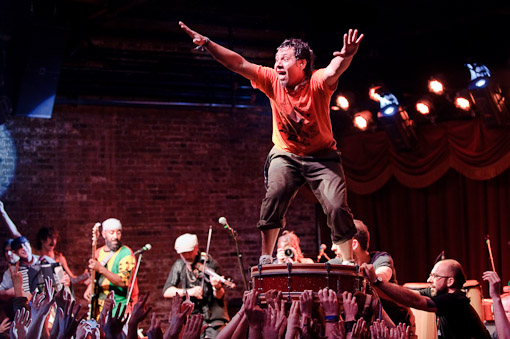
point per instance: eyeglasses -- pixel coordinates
(433, 276)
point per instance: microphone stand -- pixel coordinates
(233, 233)
(133, 279)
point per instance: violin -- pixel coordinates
(210, 272)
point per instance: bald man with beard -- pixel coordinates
(456, 317)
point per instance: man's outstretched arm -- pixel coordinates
(342, 59)
(228, 58)
(399, 293)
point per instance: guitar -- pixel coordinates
(94, 295)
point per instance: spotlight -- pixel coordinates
(374, 93)
(424, 106)
(342, 102)
(396, 122)
(388, 103)
(487, 96)
(481, 83)
(362, 120)
(462, 103)
(436, 86)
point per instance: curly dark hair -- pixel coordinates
(45, 233)
(302, 51)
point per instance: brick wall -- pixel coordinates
(161, 172)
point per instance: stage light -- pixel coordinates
(389, 110)
(396, 122)
(388, 104)
(362, 120)
(487, 96)
(436, 86)
(374, 93)
(400, 129)
(481, 83)
(342, 102)
(462, 103)
(424, 107)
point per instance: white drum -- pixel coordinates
(425, 321)
(474, 293)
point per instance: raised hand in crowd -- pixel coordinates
(61, 298)
(138, 314)
(329, 302)
(69, 320)
(358, 330)
(5, 325)
(305, 306)
(293, 321)
(254, 314)
(19, 328)
(402, 331)
(155, 331)
(39, 309)
(500, 318)
(274, 321)
(178, 315)
(350, 306)
(194, 327)
(87, 330)
(238, 325)
(273, 297)
(109, 304)
(115, 322)
(274, 300)
(379, 330)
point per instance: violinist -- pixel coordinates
(206, 291)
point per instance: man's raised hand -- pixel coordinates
(198, 39)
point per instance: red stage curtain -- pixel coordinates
(447, 194)
(468, 147)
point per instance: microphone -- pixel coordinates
(223, 221)
(147, 247)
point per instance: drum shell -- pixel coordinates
(300, 277)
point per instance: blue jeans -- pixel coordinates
(287, 172)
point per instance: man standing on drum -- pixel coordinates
(304, 149)
(456, 317)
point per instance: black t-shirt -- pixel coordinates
(456, 318)
(397, 312)
(211, 308)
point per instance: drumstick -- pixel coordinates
(488, 242)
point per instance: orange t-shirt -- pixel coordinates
(301, 121)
